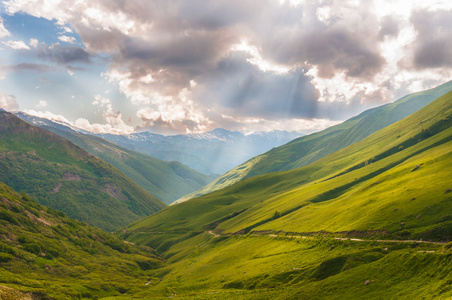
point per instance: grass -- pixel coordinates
(46, 255)
(167, 181)
(391, 185)
(308, 149)
(340, 192)
(318, 267)
(63, 176)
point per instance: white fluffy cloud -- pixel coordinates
(47, 115)
(16, 45)
(113, 119)
(67, 39)
(8, 102)
(3, 31)
(41, 104)
(114, 123)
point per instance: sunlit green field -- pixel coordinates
(246, 241)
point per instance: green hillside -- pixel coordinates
(67, 178)
(47, 255)
(285, 235)
(167, 181)
(307, 149)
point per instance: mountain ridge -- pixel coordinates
(307, 149)
(67, 178)
(292, 234)
(166, 180)
(213, 152)
(247, 204)
(46, 255)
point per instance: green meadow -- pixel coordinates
(310, 148)
(286, 235)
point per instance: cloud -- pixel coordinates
(286, 60)
(3, 31)
(433, 46)
(40, 68)
(84, 124)
(34, 43)
(113, 119)
(390, 27)
(47, 115)
(114, 125)
(257, 124)
(8, 102)
(67, 39)
(17, 45)
(247, 91)
(41, 104)
(63, 55)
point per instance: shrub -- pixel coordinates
(33, 248)
(23, 239)
(5, 257)
(7, 249)
(116, 244)
(17, 209)
(5, 215)
(148, 264)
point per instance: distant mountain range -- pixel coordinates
(213, 152)
(310, 148)
(165, 180)
(63, 176)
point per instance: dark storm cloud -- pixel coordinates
(433, 46)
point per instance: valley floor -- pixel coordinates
(208, 266)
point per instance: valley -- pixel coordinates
(238, 150)
(371, 220)
(393, 185)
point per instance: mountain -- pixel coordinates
(64, 177)
(371, 220)
(167, 181)
(213, 152)
(46, 255)
(307, 149)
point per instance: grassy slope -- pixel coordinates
(305, 150)
(46, 254)
(364, 182)
(165, 180)
(393, 184)
(263, 267)
(67, 178)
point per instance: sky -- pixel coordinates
(177, 66)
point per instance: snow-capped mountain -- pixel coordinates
(213, 152)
